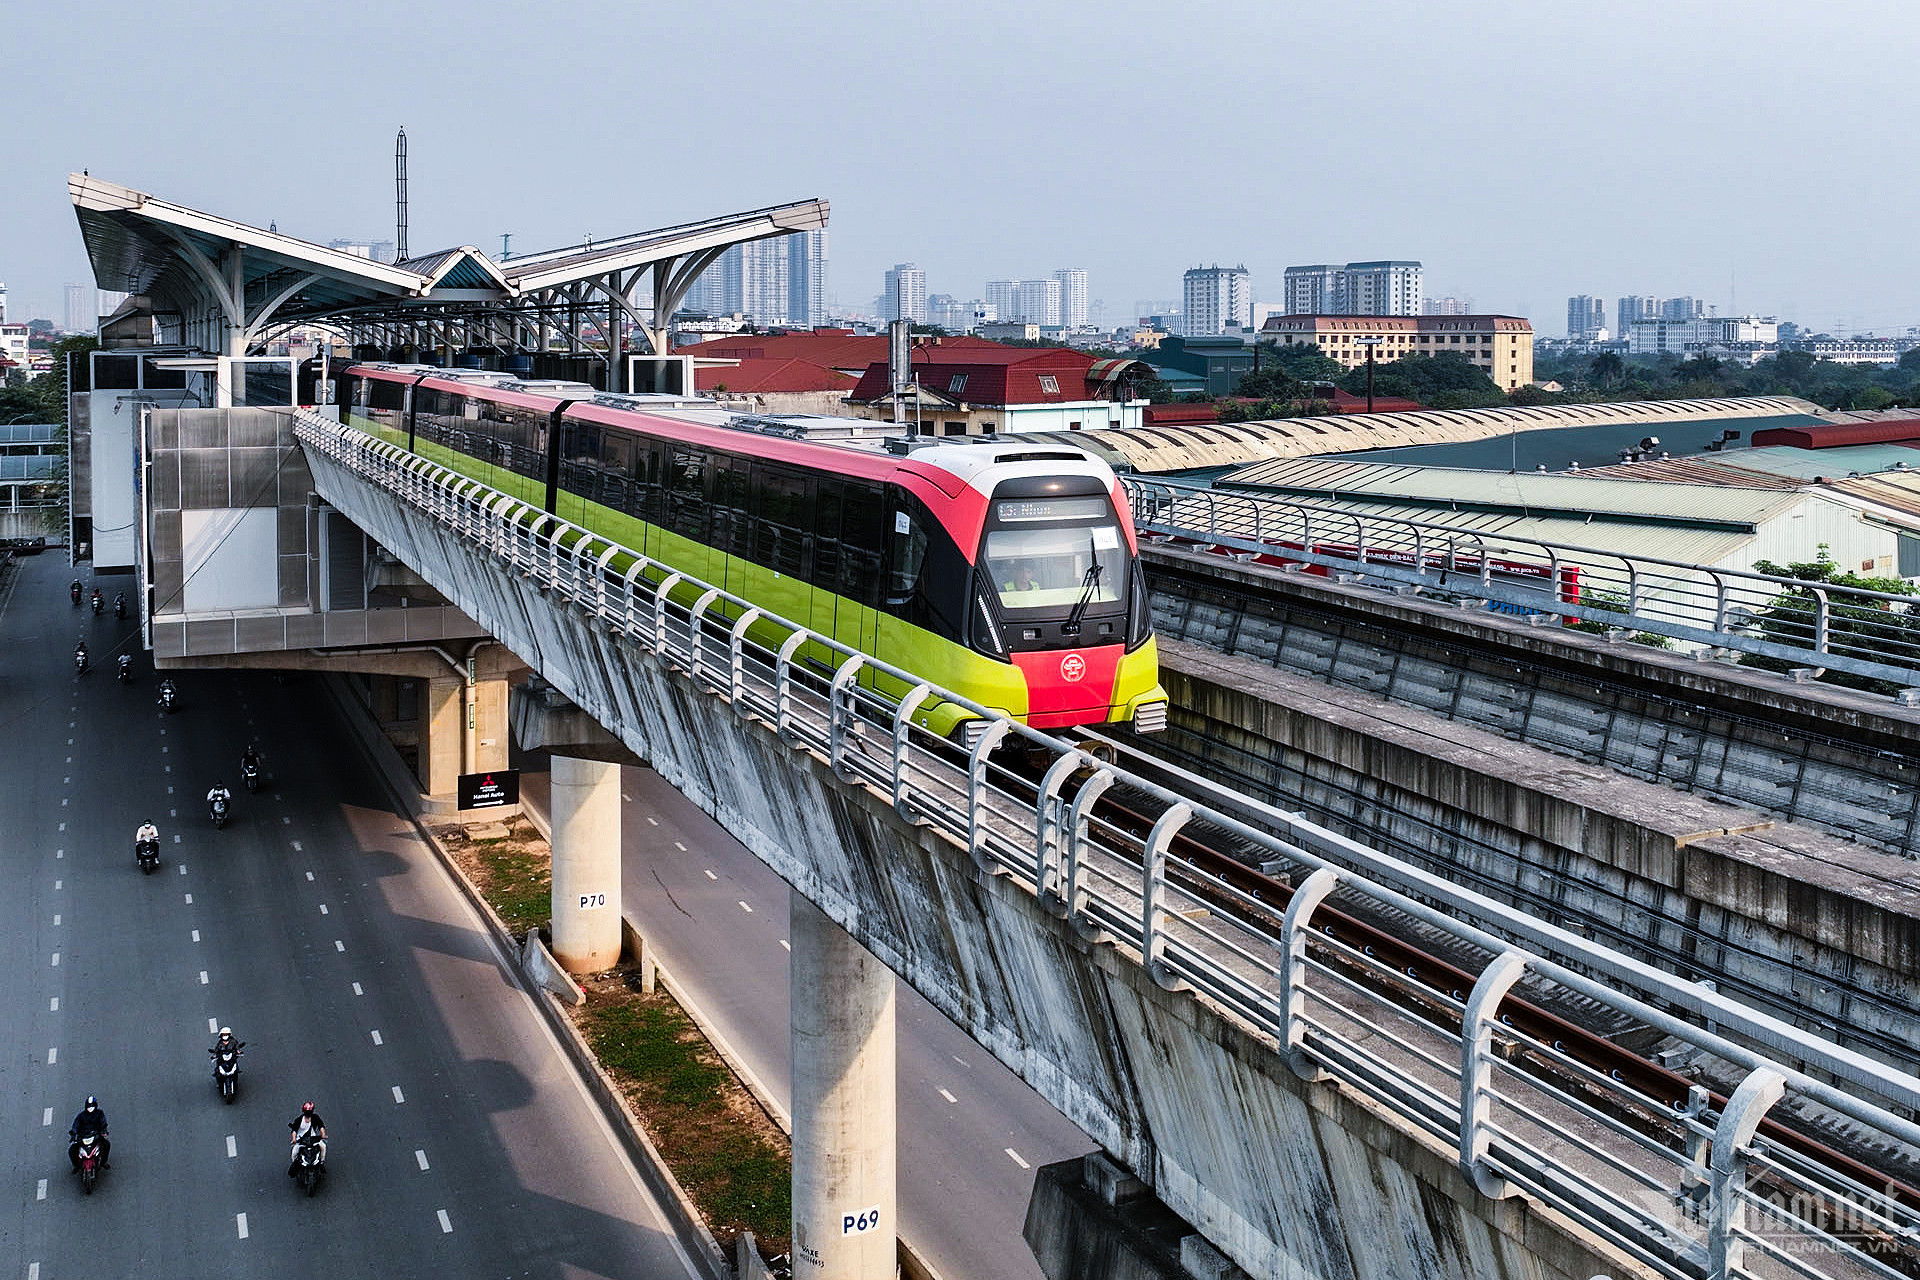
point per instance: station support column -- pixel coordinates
(843, 1103)
(586, 864)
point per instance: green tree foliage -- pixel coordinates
(1878, 630)
(1445, 381)
(1611, 376)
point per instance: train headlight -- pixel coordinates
(987, 637)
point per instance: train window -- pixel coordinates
(686, 494)
(731, 512)
(780, 532)
(862, 524)
(382, 394)
(826, 534)
(906, 547)
(649, 505)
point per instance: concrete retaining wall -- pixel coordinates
(1287, 1178)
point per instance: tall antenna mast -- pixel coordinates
(400, 197)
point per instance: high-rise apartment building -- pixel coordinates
(1004, 297)
(83, 308)
(1382, 289)
(764, 281)
(905, 297)
(807, 278)
(1447, 306)
(372, 250)
(3, 303)
(1385, 288)
(1586, 317)
(1683, 309)
(1073, 296)
(1311, 291)
(720, 290)
(1632, 308)
(1215, 299)
(1038, 302)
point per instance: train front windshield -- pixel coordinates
(1055, 553)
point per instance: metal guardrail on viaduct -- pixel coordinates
(1801, 624)
(1677, 1186)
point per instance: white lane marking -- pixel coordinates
(323, 908)
(744, 907)
(46, 1117)
(446, 1223)
(56, 919)
(339, 945)
(56, 885)
(397, 1095)
(233, 1151)
(56, 960)
(60, 853)
(786, 944)
(67, 781)
(710, 875)
(240, 1221)
(296, 849)
(682, 848)
(63, 802)
(309, 875)
(53, 1004)
(949, 1097)
(183, 866)
(376, 1038)
(169, 790)
(33, 1271)
(168, 768)
(196, 935)
(421, 1156)
(41, 1194)
(213, 1026)
(189, 899)
(962, 1061)
(176, 840)
(63, 827)
(71, 723)
(356, 989)
(173, 813)
(286, 822)
(626, 797)
(164, 750)
(53, 1055)
(653, 822)
(1015, 1157)
(203, 977)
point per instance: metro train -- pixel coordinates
(1004, 572)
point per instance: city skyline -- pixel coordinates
(1448, 184)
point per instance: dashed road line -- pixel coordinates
(682, 848)
(196, 935)
(376, 1038)
(53, 1055)
(397, 1095)
(46, 1118)
(786, 944)
(56, 886)
(744, 907)
(653, 822)
(710, 875)
(41, 1194)
(240, 1223)
(296, 849)
(421, 1156)
(56, 960)
(189, 899)
(1015, 1157)
(309, 875)
(323, 908)
(183, 866)
(56, 919)
(339, 945)
(213, 1026)
(233, 1151)
(357, 991)
(949, 1097)
(203, 977)
(53, 1004)
(446, 1223)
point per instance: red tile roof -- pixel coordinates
(1829, 435)
(755, 377)
(994, 375)
(829, 348)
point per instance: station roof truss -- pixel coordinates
(224, 286)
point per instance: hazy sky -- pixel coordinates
(1523, 150)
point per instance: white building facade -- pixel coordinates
(1073, 296)
(905, 297)
(1215, 299)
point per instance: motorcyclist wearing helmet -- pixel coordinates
(91, 1120)
(218, 792)
(146, 832)
(307, 1122)
(250, 758)
(225, 1043)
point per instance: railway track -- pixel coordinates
(1430, 988)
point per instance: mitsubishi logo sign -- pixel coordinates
(1073, 667)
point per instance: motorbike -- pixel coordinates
(98, 604)
(226, 1072)
(166, 696)
(308, 1163)
(217, 807)
(250, 774)
(74, 591)
(80, 662)
(89, 1161)
(120, 607)
(147, 854)
(126, 669)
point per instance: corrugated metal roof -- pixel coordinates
(1896, 490)
(1522, 494)
(1706, 470)
(1833, 435)
(1348, 433)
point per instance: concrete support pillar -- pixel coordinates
(586, 864)
(463, 730)
(843, 1104)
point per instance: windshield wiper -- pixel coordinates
(1071, 626)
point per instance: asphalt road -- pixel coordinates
(327, 935)
(969, 1130)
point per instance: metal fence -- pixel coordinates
(1797, 624)
(1688, 1186)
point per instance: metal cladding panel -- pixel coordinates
(306, 630)
(165, 535)
(293, 531)
(164, 475)
(296, 480)
(169, 639)
(259, 427)
(386, 626)
(255, 477)
(167, 586)
(210, 635)
(259, 635)
(229, 559)
(203, 479)
(204, 431)
(346, 628)
(293, 582)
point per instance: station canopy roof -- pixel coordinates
(179, 257)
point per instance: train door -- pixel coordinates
(862, 534)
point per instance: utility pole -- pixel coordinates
(400, 196)
(1369, 344)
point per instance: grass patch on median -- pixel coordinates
(514, 872)
(724, 1150)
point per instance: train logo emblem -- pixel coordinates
(1072, 667)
